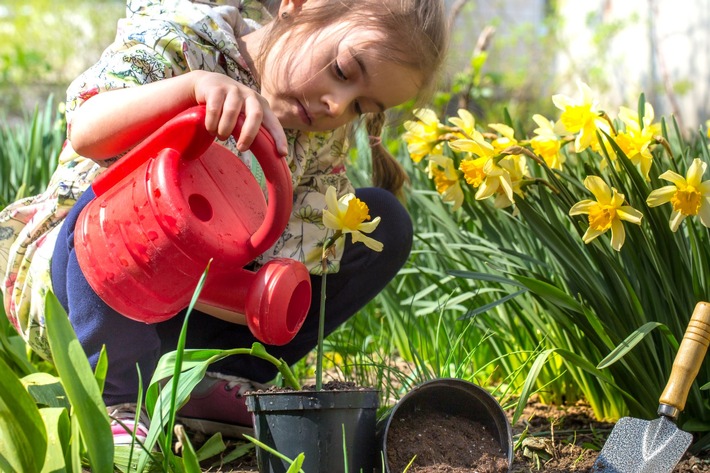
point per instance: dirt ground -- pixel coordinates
(548, 439)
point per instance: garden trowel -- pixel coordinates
(641, 446)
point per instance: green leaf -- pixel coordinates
(483, 277)
(258, 349)
(189, 457)
(238, 452)
(632, 340)
(88, 407)
(46, 389)
(490, 305)
(101, 369)
(158, 403)
(550, 292)
(23, 440)
(530, 379)
(273, 452)
(297, 464)
(58, 425)
(212, 447)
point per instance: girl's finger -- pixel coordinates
(253, 116)
(231, 108)
(213, 111)
(273, 126)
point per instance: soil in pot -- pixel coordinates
(442, 443)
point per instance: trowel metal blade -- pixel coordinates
(641, 446)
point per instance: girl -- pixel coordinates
(316, 67)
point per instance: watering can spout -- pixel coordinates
(179, 201)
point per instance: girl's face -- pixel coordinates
(332, 78)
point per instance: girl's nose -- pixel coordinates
(337, 103)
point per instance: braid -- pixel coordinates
(387, 173)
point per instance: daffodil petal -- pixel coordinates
(695, 172)
(561, 101)
(371, 243)
(675, 178)
(704, 212)
(507, 186)
(369, 227)
(330, 220)
(661, 196)
(618, 235)
(676, 219)
(599, 188)
(581, 207)
(331, 199)
(591, 234)
(629, 214)
(487, 189)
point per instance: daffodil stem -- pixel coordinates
(321, 335)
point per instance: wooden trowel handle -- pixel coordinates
(688, 359)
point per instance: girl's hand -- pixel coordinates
(113, 122)
(225, 99)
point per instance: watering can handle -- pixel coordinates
(186, 134)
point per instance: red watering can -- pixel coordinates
(177, 201)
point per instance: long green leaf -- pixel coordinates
(58, 425)
(46, 389)
(80, 385)
(23, 439)
(550, 292)
(634, 339)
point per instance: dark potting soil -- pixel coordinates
(329, 386)
(442, 444)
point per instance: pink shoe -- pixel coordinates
(217, 405)
(123, 424)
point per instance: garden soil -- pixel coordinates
(549, 439)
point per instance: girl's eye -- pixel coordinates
(339, 71)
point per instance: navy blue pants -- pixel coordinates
(131, 345)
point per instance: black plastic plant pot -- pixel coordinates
(331, 428)
(450, 397)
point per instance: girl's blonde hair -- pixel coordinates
(415, 36)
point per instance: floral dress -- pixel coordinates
(158, 40)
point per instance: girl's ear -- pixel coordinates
(290, 7)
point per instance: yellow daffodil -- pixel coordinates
(497, 179)
(477, 147)
(472, 170)
(350, 215)
(579, 116)
(446, 179)
(689, 195)
(547, 143)
(517, 168)
(466, 123)
(635, 140)
(422, 135)
(607, 212)
(506, 136)
(482, 171)
(707, 128)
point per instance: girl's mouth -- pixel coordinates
(303, 114)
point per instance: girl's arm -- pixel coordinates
(113, 122)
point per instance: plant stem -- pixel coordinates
(321, 334)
